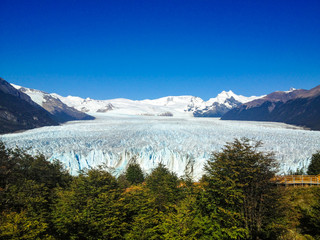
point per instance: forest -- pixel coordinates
(235, 199)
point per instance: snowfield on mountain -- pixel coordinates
(178, 106)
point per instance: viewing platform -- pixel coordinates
(294, 180)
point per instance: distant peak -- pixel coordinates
(15, 86)
(230, 91)
(226, 94)
(291, 90)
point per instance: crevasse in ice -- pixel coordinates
(183, 144)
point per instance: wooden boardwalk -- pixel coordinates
(297, 180)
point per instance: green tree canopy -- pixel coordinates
(314, 167)
(163, 184)
(237, 188)
(88, 209)
(27, 186)
(134, 173)
(17, 165)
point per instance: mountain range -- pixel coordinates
(298, 107)
(218, 106)
(60, 111)
(24, 108)
(19, 112)
(179, 106)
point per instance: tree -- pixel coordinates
(185, 222)
(134, 172)
(16, 165)
(122, 181)
(17, 226)
(27, 186)
(314, 167)
(237, 189)
(27, 212)
(88, 209)
(142, 218)
(310, 222)
(163, 185)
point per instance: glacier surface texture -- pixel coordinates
(182, 144)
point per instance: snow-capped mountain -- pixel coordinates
(19, 112)
(216, 107)
(178, 106)
(298, 106)
(166, 106)
(53, 105)
(224, 96)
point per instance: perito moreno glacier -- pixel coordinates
(182, 144)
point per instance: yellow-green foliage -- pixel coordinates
(39, 200)
(295, 203)
(15, 225)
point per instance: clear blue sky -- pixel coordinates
(148, 49)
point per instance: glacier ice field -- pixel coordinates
(182, 144)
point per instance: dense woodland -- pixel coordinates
(234, 199)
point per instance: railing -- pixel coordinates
(297, 180)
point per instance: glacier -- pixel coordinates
(183, 144)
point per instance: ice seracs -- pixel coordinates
(182, 144)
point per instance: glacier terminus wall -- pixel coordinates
(183, 144)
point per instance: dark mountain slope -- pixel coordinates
(19, 112)
(298, 107)
(60, 111)
(301, 111)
